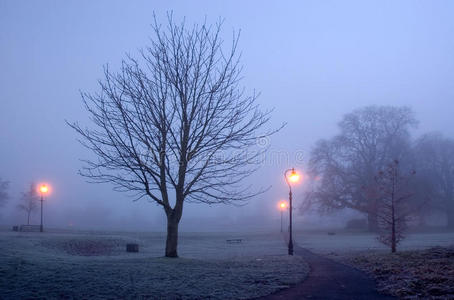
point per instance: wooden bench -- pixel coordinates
(30, 228)
(234, 241)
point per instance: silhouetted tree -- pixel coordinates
(348, 163)
(392, 195)
(434, 157)
(29, 201)
(3, 192)
(175, 125)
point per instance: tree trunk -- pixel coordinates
(393, 233)
(372, 222)
(172, 236)
(28, 218)
(173, 220)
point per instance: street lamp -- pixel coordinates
(43, 189)
(282, 207)
(292, 178)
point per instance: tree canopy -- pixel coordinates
(174, 124)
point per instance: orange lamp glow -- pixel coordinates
(294, 176)
(43, 189)
(282, 205)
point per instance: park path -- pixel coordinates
(327, 280)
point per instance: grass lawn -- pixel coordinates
(417, 274)
(423, 267)
(95, 265)
(341, 241)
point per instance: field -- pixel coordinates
(410, 274)
(334, 242)
(68, 265)
(95, 265)
(423, 267)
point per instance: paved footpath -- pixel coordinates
(327, 280)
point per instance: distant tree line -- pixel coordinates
(3, 192)
(374, 153)
(28, 202)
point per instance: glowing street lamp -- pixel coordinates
(282, 207)
(43, 189)
(290, 179)
(294, 177)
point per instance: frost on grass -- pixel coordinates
(346, 242)
(423, 274)
(97, 266)
(423, 267)
(85, 247)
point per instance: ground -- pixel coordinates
(423, 267)
(95, 265)
(410, 274)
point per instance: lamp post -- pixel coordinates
(43, 190)
(293, 177)
(282, 207)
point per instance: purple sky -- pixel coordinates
(313, 61)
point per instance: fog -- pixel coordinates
(312, 61)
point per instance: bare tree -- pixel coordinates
(29, 201)
(3, 192)
(393, 206)
(174, 125)
(344, 165)
(434, 156)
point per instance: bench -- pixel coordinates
(132, 247)
(30, 228)
(234, 241)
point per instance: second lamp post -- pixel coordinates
(292, 178)
(43, 189)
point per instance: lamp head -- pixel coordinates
(294, 176)
(43, 188)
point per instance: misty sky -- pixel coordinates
(312, 61)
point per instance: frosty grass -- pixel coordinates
(96, 265)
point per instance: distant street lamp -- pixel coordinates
(282, 207)
(43, 189)
(292, 178)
